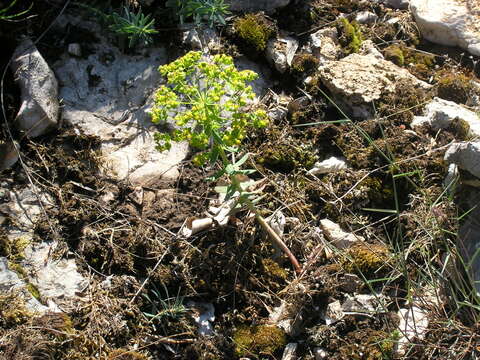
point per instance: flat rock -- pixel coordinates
(440, 113)
(449, 22)
(358, 80)
(39, 109)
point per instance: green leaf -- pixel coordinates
(242, 160)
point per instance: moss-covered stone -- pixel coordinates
(254, 30)
(394, 53)
(258, 340)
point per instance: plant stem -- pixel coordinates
(261, 220)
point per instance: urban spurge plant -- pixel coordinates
(209, 102)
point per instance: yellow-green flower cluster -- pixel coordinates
(208, 100)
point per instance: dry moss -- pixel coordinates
(368, 344)
(13, 310)
(124, 354)
(254, 30)
(420, 64)
(272, 268)
(454, 86)
(258, 340)
(366, 259)
(304, 63)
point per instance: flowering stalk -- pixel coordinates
(207, 100)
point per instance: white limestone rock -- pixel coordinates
(39, 109)
(325, 46)
(466, 155)
(358, 80)
(329, 165)
(440, 113)
(449, 22)
(336, 236)
(280, 52)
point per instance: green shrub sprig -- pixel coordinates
(207, 100)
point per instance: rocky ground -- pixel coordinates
(370, 168)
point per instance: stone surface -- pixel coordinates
(449, 22)
(11, 282)
(331, 164)
(290, 352)
(325, 46)
(56, 280)
(469, 240)
(39, 109)
(201, 38)
(280, 52)
(466, 155)
(414, 320)
(337, 237)
(397, 4)
(366, 17)
(8, 154)
(256, 5)
(440, 113)
(358, 80)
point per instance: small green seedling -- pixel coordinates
(209, 100)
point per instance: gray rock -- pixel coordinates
(449, 22)
(39, 108)
(56, 280)
(74, 49)
(440, 113)
(414, 320)
(280, 52)
(325, 46)
(466, 155)
(366, 17)
(290, 352)
(8, 154)
(11, 282)
(256, 5)
(201, 38)
(469, 241)
(397, 4)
